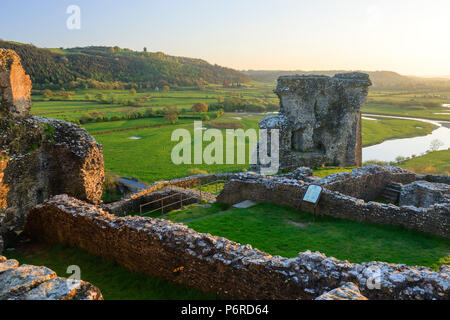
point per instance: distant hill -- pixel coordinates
(86, 66)
(381, 79)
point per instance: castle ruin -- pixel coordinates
(319, 119)
(39, 157)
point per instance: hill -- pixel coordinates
(381, 79)
(88, 67)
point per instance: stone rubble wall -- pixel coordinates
(366, 183)
(424, 194)
(434, 178)
(42, 158)
(132, 202)
(39, 157)
(213, 264)
(28, 282)
(15, 86)
(434, 220)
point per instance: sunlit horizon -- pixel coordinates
(407, 37)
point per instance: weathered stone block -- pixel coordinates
(42, 158)
(349, 291)
(424, 194)
(214, 264)
(40, 283)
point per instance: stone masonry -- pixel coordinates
(27, 282)
(214, 264)
(424, 194)
(319, 120)
(284, 191)
(15, 86)
(39, 157)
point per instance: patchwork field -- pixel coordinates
(419, 104)
(142, 147)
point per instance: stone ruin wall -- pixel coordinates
(15, 86)
(28, 282)
(434, 220)
(366, 183)
(319, 120)
(39, 157)
(213, 264)
(424, 194)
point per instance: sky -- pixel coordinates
(407, 36)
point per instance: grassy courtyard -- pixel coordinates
(275, 229)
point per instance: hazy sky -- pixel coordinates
(407, 36)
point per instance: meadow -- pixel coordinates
(420, 104)
(142, 147)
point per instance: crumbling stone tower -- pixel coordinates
(319, 119)
(39, 157)
(15, 86)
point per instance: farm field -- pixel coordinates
(149, 158)
(428, 105)
(142, 147)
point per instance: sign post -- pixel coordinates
(312, 196)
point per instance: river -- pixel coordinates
(389, 150)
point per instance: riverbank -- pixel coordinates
(437, 162)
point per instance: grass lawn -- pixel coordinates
(115, 282)
(375, 132)
(437, 162)
(284, 231)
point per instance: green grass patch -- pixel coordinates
(114, 281)
(437, 162)
(375, 132)
(284, 231)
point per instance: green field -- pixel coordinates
(437, 162)
(409, 103)
(149, 157)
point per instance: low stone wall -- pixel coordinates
(434, 178)
(366, 183)
(132, 202)
(27, 282)
(214, 264)
(434, 220)
(424, 194)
